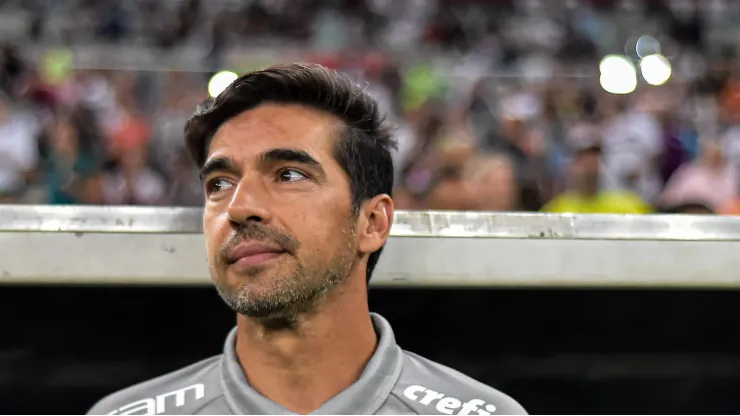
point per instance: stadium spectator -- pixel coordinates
(18, 150)
(495, 183)
(450, 188)
(185, 188)
(69, 164)
(632, 146)
(584, 194)
(132, 181)
(710, 181)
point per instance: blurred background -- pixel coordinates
(624, 106)
(589, 106)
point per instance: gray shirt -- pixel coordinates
(393, 382)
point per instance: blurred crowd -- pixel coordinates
(498, 102)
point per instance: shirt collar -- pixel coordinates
(365, 396)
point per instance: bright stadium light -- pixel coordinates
(618, 74)
(220, 81)
(656, 70)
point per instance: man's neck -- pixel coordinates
(303, 367)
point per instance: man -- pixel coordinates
(585, 195)
(297, 171)
(709, 181)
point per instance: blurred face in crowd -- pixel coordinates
(134, 158)
(279, 226)
(495, 184)
(585, 171)
(64, 137)
(452, 192)
(452, 189)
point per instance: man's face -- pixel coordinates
(279, 228)
(586, 171)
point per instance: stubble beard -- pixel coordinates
(297, 292)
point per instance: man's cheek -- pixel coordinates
(213, 246)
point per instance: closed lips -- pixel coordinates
(252, 249)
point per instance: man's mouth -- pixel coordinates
(250, 254)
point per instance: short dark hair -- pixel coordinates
(365, 144)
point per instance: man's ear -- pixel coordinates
(374, 225)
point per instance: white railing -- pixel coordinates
(133, 245)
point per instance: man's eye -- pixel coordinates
(290, 175)
(217, 185)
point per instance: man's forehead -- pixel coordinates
(277, 125)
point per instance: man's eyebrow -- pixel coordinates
(218, 164)
(290, 155)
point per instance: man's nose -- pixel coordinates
(250, 202)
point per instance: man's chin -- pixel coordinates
(272, 312)
(251, 299)
(262, 299)
(237, 274)
(269, 312)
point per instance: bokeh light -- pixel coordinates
(647, 45)
(220, 81)
(618, 74)
(656, 70)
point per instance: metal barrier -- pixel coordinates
(164, 246)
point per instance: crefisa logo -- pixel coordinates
(447, 404)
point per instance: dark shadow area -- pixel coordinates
(555, 351)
